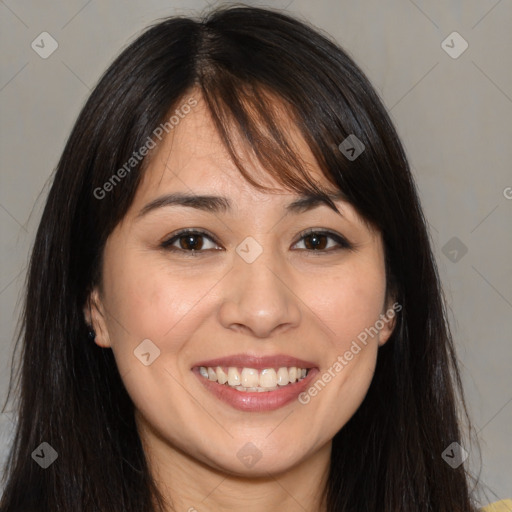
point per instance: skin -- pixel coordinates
(291, 300)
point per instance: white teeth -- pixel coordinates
(254, 390)
(252, 380)
(282, 376)
(233, 377)
(222, 377)
(268, 378)
(212, 375)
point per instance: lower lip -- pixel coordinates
(254, 401)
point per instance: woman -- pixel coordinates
(232, 301)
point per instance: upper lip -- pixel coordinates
(257, 362)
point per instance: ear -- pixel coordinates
(388, 318)
(94, 314)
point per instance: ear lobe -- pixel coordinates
(95, 318)
(388, 318)
(386, 331)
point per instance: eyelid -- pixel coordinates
(342, 242)
(167, 242)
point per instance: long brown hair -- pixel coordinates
(388, 457)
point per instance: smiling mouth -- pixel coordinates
(252, 379)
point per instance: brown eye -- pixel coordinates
(316, 241)
(321, 241)
(190, 241)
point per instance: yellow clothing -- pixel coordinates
(499, 506)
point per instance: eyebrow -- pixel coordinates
(219, 204)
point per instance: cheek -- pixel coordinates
(153, 302)
(150, 301)
(350, 303)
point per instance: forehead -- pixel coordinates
(193, 156)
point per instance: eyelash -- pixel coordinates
(343, 243)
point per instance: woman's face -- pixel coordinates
(257, 299)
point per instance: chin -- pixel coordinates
(250, 461)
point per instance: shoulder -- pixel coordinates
(499, 506)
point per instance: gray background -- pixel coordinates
(453, 115)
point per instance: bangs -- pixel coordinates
(267, 103)
(255, 123)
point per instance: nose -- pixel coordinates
(259, 298)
